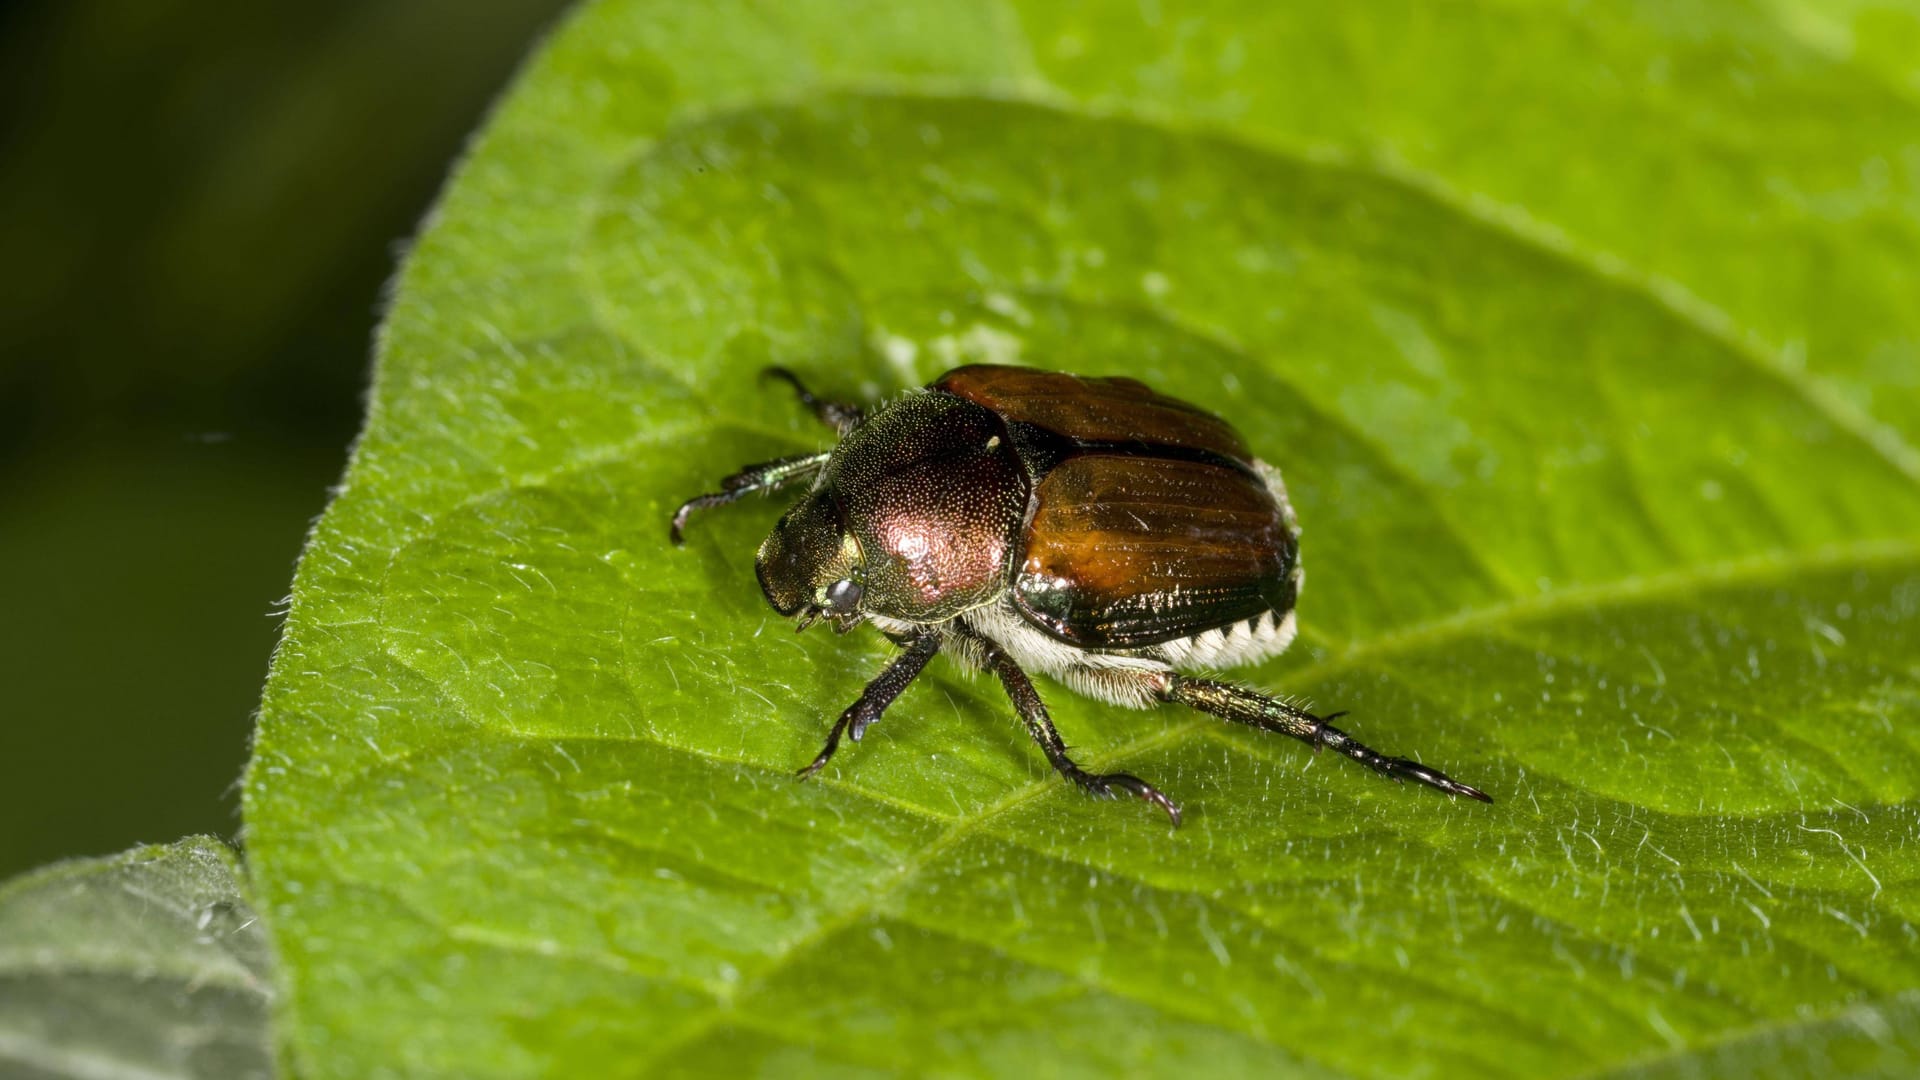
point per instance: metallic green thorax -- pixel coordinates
(921, 504)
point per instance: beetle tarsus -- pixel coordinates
(1244, 706)
(839, 415)
(698, 502)
(819, 762)
(1406, 768)
(873, 701)
(766, 476)
(1111, 785)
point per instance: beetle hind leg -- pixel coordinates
(1244, 706)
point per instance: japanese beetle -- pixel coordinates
(1088, 529)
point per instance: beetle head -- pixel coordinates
(811, 568)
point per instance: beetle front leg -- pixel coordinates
(839, 415)
(877, 696)
(1244, 706)
(766, 476)
(1033, 713)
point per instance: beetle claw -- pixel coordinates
(1323, 734)
(676, 529)
(1110, 786)
(1401, 769)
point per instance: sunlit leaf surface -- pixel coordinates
(1585, 339)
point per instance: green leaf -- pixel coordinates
(1585, 341)
(146, 964)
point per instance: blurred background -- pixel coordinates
(199, 207)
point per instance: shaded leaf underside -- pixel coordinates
(147, 965)
(521, 798)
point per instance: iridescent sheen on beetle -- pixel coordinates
(1088, 529)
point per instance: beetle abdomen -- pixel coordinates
(1266, 634)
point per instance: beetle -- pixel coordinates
(1021, 520)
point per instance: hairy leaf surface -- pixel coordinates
(147, 964)
(1584, 340)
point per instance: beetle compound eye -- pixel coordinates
(843, 596)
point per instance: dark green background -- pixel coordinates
(199, 205)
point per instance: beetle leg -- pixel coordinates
(839, 415)
(1244, 706)
(877, 696)
(766, 476)
(1033, 713)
